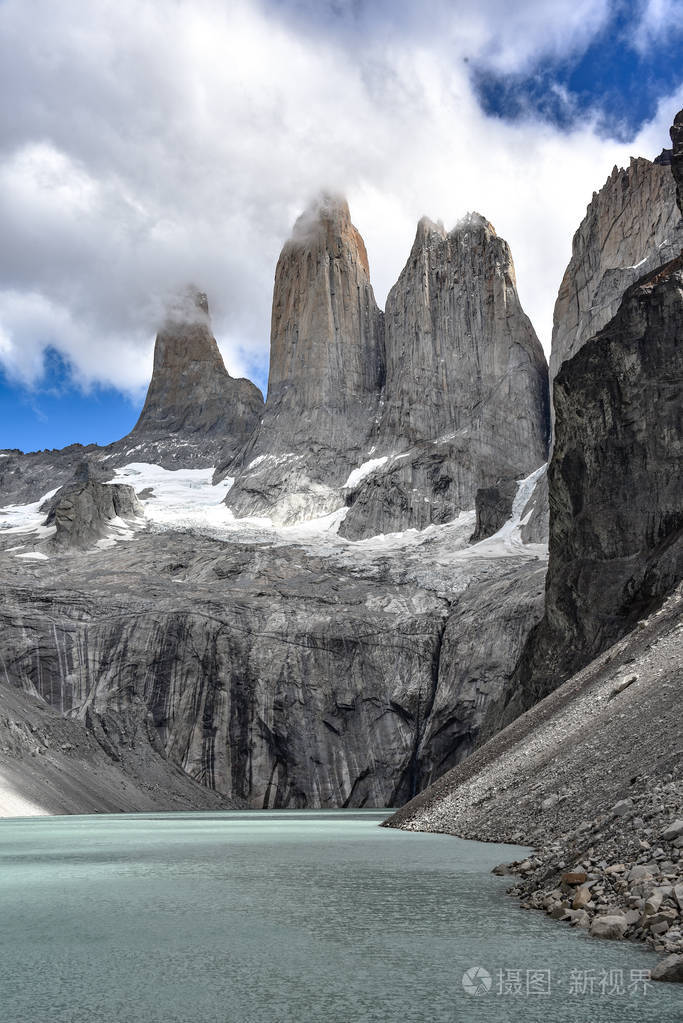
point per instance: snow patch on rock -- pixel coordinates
(356, 475)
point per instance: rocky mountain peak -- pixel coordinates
(632, 226)
(448, 329)
(189, 306)
(428, 229)
(326, 223)
(326, 370)
(192, 397)
(325, 321)
(474, 222)
(465, 398)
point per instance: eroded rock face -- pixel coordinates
(461, 353)
(632, 225)
(676, 132)
(616, 521)
(194, 409)
(82, 512)
(275, 675)
(326, 371)
(466, 395)
(25, 478)
(476, 664)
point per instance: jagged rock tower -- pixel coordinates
(194, 409)
(326, 371)
(466, 396)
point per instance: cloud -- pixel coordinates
(147, 144)
(503, 36)
(659, 19)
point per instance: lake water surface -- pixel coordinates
(317, 917)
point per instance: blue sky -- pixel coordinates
(621, 83)
(147, 148)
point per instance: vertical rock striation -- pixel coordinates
(466, 395)
(326, 371)
(194, 409)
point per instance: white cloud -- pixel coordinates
(146, 144)
(659, 19)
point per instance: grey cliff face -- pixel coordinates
(676, 132)
(276, 675)
(616, 522)
(192, 401)
(632, 225)
(466, 395)
(461, 353)
(326, 370)
(476, 665)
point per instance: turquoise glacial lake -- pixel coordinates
(287, 917)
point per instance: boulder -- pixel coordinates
(582, 898)
(621, 808)
(669, 970)
(86, 512)
(674, 830)
(608, 927)
(574, 877)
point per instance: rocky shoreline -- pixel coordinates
(618, 875)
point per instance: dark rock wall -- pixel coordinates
(616, 517)
(676, 133)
